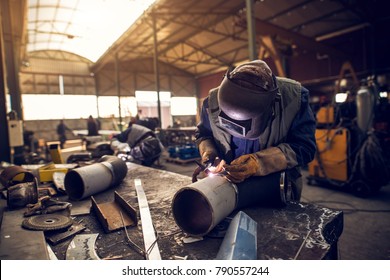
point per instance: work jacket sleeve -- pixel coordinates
(301, 136)
(203, 129)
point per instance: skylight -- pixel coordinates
(84, 27)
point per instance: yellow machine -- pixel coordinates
(349, 155)
(331, 161)
(325, 115)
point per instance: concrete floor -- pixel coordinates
(366, 234)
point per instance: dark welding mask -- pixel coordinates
(246, 97)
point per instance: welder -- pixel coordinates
(140, 142)
(255, 124)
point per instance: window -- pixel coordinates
(183, 106)
(109, 105)
(52, 106)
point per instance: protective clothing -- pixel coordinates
(207, 151)
(246, 97)
(121, 147)
(290, 128)
(257, 164)
(144, 145)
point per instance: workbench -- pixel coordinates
(297, 231)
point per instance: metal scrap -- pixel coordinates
(150, 239)
(54, 237)
(47, 205)
(82, 247)
(110, 213)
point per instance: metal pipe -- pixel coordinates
(200, 206)
(365, 103)
(85, 181)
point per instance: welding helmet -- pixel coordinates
(246, 97)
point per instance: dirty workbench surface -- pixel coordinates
(298, 231)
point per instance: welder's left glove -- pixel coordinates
(257, 164)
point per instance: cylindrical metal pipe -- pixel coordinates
(200, 206)
(88, 180)
(365, 102)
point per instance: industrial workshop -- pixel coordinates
(194, 130)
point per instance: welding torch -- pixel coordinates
(207, 169)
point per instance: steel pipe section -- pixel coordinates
(200, 206)
(85, 181)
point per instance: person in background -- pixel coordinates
(140, 142)
(92, 127)
(61, 131)
(255, 124)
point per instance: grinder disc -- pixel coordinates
(47, 222)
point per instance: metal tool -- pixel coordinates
(47, 222)
(150, 239)
(82, 247)
(206, 168)
(240, 241)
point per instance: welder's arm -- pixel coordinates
(204, 137)
(119, 146)
(118, 142)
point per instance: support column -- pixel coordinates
(118, 90)
(156, 69)
(5, 151)
(251, 30)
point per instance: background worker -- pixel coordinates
(92, 126)
(61, 131)
(140, 142)
(255, 124)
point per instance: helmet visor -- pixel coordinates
(235, 127)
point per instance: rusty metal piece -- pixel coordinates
(55, 237)
(48, 205)
(109, 213)
(22, 194)
(14, 175)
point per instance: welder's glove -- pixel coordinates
(257, 164)
(208, 151)
(119, 146)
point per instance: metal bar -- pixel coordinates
(150, 239)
